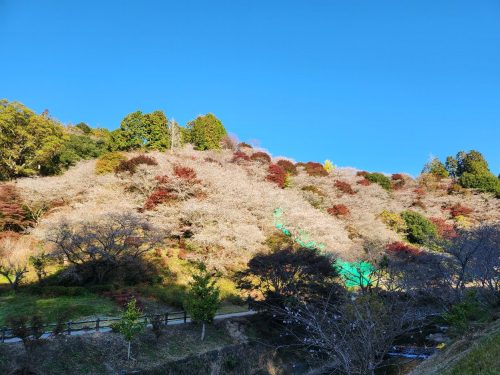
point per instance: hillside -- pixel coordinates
(231, 214)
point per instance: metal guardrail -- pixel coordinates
(98, 325)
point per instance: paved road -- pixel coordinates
(176, 321)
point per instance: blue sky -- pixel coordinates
(379, 85)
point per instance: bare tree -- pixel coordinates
(96, 249)
(15, 251)
(473, 259)
(353, 338)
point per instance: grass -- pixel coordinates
(18, 304)
(474, 354)
(482, 359)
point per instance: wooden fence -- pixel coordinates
(98, 325)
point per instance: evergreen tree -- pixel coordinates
(203, 298)
(206, 132)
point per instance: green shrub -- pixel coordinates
(108, 162)
(419, 228)
(462, 314)
(393, 221)
(483, 182)
(380, 179)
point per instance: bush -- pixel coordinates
(132, 164)
(13, 216)
(328, 165)
(399, 248)
(419, 228)
(364, 182)
(107, 163)
(338, 210)
(288, 166)
(361, 173)
(393, 221)
(261, 157)
(460, 210)
(240, 156)
(277, 175)
(487, 183)
(380, 179)
(463, 222)
(397, 176)
(315, 169)
(398, 181)
(344, 187)
(444, 229)
(185, 173)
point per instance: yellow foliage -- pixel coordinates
(108, 162)
(393, 221)
(328, 165)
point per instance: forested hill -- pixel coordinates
(219, 195)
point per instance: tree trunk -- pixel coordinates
(202, 331)
(128, 351)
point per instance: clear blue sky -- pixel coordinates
(379, 85)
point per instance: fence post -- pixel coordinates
(185, 316)
(4, 330)
(97, 324)
(69, 328)
(166, 318)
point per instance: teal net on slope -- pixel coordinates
(354, 274)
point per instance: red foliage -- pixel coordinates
(185, 173)
(460, 210)
(277, 175)
(420, 191)
(444, 229)
(400, 248)
(12, 215)
(361, 173)
(364, 182)
(344, 187)
(132, 164)
(261, 157)
(338, 210)
(398, 181)
(239, 156)
(288, 166)
(159, 196)
(315, 169)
